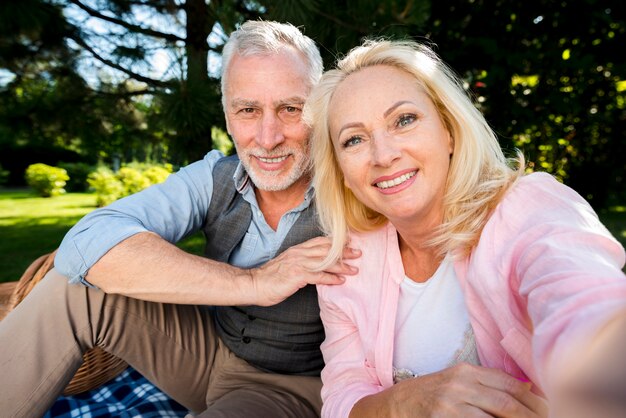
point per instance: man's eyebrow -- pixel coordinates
(291, 101)
(243, 103)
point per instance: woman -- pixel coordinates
(465, 260)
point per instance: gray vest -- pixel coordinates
(283, 338)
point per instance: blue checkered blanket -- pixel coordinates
(129, 395)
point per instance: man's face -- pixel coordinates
(264, 100)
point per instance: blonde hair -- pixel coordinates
(479, 173)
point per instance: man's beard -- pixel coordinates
(277, 180)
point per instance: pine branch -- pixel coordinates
(131, 27)
(126, 93)
(114, 65)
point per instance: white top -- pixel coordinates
(433, 331)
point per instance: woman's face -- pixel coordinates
(391, 144)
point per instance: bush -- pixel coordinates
(107, 186)
(46, 180)
(131, 178)
(78, 173)
(157, 174)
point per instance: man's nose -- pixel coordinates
(270, 133)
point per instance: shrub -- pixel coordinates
(131, 178)
(107, 186)
(46, 180)
(157, 174)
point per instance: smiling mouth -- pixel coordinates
(272, 160)
(397, 181)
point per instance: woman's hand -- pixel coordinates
(594, 383)
(461, 391)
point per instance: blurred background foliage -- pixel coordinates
(115, 81)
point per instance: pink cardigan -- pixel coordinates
(544, 274)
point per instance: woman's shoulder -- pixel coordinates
(539, 202)
(541, 195)
(380, 259)
(372, 238)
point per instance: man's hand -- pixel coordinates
(295, 268)
(462, 391)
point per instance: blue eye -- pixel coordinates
(406, 119)
(353, 140)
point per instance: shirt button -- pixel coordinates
(251, 317)
(246, 340)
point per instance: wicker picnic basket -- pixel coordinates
(98, 366)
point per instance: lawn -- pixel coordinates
(31, 226)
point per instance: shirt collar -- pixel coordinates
(241, 178)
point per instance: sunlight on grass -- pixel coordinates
(31, 226)
(19, 206)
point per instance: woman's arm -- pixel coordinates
(352, 388)
(460, 391)
(567, 267)
(347, 375)
(595, 385)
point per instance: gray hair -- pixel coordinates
(257, 37)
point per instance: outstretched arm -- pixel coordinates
(595, 383)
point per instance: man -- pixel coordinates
(255, 352)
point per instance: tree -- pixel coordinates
(548, 78)
(122, 103)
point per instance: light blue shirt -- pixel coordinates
(173, 209)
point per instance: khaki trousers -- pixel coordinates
(174, 346)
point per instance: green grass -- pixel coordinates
(31, 226)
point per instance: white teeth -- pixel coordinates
(398, 180)
(273, 160)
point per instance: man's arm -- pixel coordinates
(172, 210)
(147, 267)
(127, 248)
